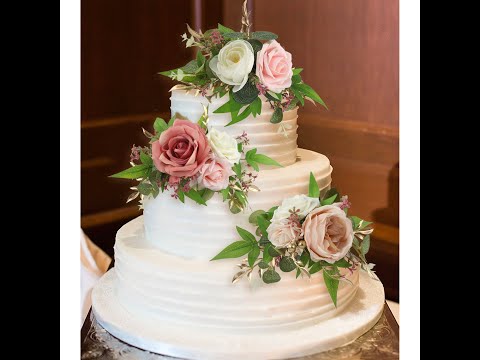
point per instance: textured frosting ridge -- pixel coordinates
(279, 141)
(200, 294)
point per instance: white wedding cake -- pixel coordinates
(226, 173)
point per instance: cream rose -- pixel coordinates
(303, 205)
(233, 63)
(224, 146)
(328, 233)
(214, 175)
(283, 232)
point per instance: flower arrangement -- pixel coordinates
(307, 234)
(195, 162)
(246, 65)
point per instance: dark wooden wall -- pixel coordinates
(349, 49)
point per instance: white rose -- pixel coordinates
(224, 146)
(233, 63)
(283, 232)
(303, 205)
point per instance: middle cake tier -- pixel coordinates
(193, 231)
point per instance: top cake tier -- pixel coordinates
(278, 141)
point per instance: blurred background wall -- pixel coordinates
(349, 49)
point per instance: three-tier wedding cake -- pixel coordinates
(229, 151)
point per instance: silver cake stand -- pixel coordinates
(380, 342)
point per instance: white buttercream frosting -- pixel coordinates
(263, 135)
(195, 231)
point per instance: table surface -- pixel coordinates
(379, 343)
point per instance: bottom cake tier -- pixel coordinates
(191, 309)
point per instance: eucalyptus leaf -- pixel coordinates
(256, 45)
(234, 35)
(144, 188)
(247, 94)
(200, 59)
(331, 284)
(277, 116)
(235, 250)
(252, 219)
(366, 244)
(263, 265)
(270, 276)
(264, 35)
(273, 252)
(287, 264)
(313, 189)
(305, 257)
(264, 241)
(206, 194)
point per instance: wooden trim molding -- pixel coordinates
(110, 216)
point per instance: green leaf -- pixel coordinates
(225, 193)
(270, 277)
(235, 250)
(145, 159)
(342, 263)
(181, 196)
(239, 117)
(224, 30)
(265, 160)
(200, 59)
(190, 68)
(287, 264)
(355, 242)
(247, 94)
(313, 190)
(246, 235)
(309, 92)
(237, 169)
(298, 95)
(256, 107)
(271, 211)
(155, 189)
(366, 244)
(160, 125)
(275, 96)
(135, 172)
(316, 267)
(263, 265)
(305, 257)
(263, 240)
(229, 107)
(298, 273)
(297, 71)
(363, 224)
(263, 225)
(195, 196)
(206, 194)
(253, 255)
(234, 35)
(277, 115)
(264, 35)
(256, 45)
(331, 192)
(269, 96)
(252, 219)
(273, 252)
(328, 201)
(355, 221)
(332, 285)
(296, 79)
(266, 253)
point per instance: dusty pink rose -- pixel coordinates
(181, 150)
(328, 233)
(214, 174)
(274, 66)
(283, 232)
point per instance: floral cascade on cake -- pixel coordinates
(247, 66)
(306, 234)
(195, 162)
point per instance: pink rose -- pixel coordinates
(328, 233)
(214, 174)
(274, 66)
(181, 150)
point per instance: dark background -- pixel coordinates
(349, 49)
